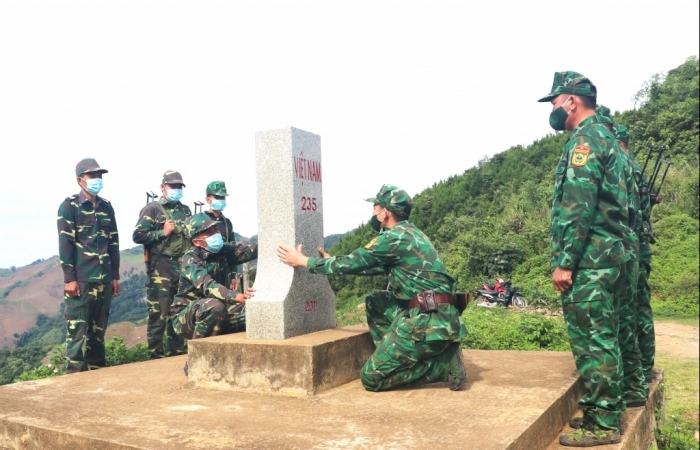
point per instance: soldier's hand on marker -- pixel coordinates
(168, 227)
(323, 253)
(116, 289)
(241, 298)
(561, 279)
(72, 289)
(292, 257)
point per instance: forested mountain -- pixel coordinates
(494, 218)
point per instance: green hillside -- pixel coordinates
(494, 218)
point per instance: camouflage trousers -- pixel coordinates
(399, 359)
(634, 388)
(209, 317)
(645, 319)
(592, 326)
(86, 321)
(161, 289)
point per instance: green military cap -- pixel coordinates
(570, 83)
(604, 114)
(198, 223)
(217, 188)
(88, 165)
(172, 177)
(394, 199)
(621, 133)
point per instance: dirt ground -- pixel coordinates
(677, 339)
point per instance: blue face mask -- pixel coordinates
(174, 195)
(93, 185)
(215, 243)
(218, 205)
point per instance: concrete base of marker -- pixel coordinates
(298, 366)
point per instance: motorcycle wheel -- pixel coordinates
(519, 301)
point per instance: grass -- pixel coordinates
(681, 382)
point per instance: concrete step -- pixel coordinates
(513, 400)
(638, 424)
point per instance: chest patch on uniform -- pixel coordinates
(580, 155)
(371, 243)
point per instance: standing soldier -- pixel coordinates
(415, 324)
(161, 228)
(590, 222)
(635, 390)
(645, 317)
(216, 199)
(88, 245)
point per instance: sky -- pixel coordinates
(401, 92)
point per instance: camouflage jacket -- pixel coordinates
(413, 265)
(88, 240)
(590, 210)
(149, 228)
(634, 205)
(203, 274)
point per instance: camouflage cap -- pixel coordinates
(604, 114)
(394, 199)
(172, 177)
(621, 133)
(88, 165)
(570, 83)
(217, 188)
(198, 223)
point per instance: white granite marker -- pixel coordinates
(288, 302)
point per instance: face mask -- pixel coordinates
(218, 205)
(93, 185)
(174, 195)
(215, 243)
(557, 118)
(375, 223)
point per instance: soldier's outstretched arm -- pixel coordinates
(195, 273)
(579, 198)
(239, 253)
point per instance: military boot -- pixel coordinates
(589, 434)
(576, 422)
(457, 370)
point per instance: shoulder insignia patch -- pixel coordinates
(580, 155)
(371, 243)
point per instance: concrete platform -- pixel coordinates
(301, 365)
(514, 400)
(638, 424)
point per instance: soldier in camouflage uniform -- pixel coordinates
(161, 229)
(635, 391)
(216, 199)
(645, 318)
(88, 246)
(412, 347)
(204, 305)
(590, 222)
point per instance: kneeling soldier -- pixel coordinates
(415, 324)
(204, 305)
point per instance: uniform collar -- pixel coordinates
(82, 198)
(165, 201)
(213, 216)
(587, 121)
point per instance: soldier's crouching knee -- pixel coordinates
(371, 380)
